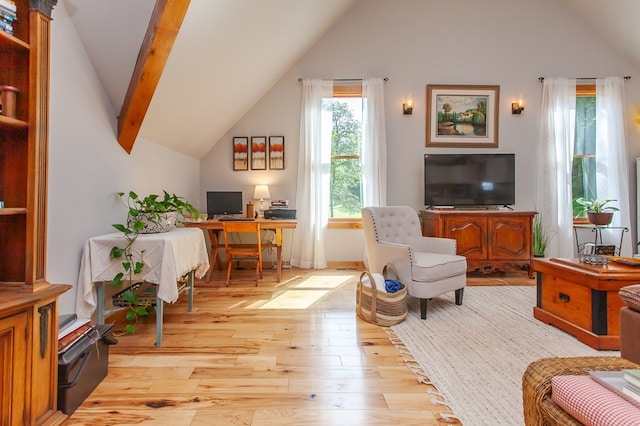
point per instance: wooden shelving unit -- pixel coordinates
(28, 303)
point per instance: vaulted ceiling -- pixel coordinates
(229, 53)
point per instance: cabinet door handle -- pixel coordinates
(564, 297)
(44, 312)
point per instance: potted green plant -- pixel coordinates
(150, 214)
(599, 212)
(541, 237)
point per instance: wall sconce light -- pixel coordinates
(516, 107)
(407, 107)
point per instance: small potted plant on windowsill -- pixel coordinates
(599, 212)
(150, 214)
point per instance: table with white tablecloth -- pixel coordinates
(167, 257)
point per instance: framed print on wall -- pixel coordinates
(276, 152)
(463, 116)
(241, 153)
(258, 153)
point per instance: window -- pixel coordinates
(346, 149)
(584, 151)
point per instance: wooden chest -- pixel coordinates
(583, 299)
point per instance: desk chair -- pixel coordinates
(244, 251)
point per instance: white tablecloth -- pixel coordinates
(167, 257)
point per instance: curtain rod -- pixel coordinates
(345, 79)
(626, 77)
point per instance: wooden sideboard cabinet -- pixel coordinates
(489, 239)
(29, 357)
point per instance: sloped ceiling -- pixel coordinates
(229, 53)
(616, 21)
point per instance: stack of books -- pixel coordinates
(631, 386)
(279, 204)
(625, 383)
(72, 330)
(7, 15)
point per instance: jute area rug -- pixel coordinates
(475, 354)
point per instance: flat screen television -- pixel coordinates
(460, 180)
(220, 203)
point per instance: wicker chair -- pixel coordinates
(539, 409)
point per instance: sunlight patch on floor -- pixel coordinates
(295, 299)
(323, 281)
(304, 294)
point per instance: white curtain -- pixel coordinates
(612, 170)
(374, 144)
(555, 160)
(314, 164)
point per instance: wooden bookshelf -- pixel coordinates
(28, 303)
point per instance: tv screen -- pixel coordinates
(224, 203)
(469, 179)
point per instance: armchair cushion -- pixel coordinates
(630, 295)
(428, 267)
(591, 403)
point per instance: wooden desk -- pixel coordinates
(582, 299)
(214, 226)
(167, 257)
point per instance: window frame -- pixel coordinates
(349, 90)
(583, 90)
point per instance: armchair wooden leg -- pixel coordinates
(459, 294)
(423, 308)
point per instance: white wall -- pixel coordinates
(414, 43)
(87, 166)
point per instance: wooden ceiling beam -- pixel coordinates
(162, 31)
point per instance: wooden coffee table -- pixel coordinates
(582, 299)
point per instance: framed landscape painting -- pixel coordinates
(258, 152)
(241, 153)
(276, 152)
(464, 116)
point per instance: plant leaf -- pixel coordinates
(117, 280)
(116, 253)
(142, 311)
(120, 227)
(138, 267)
(131, 315)
(130, 297)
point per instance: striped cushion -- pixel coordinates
(591, 403)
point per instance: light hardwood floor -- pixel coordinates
(292, 353)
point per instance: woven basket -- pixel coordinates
(146, 292)
(377, 306)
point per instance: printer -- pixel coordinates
(280, 214)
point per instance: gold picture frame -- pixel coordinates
(462, 116)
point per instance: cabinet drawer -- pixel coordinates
(567, 300)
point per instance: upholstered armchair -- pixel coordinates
(428, 266)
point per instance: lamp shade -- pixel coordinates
(261, 192)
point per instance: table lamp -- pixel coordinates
(261, 192)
